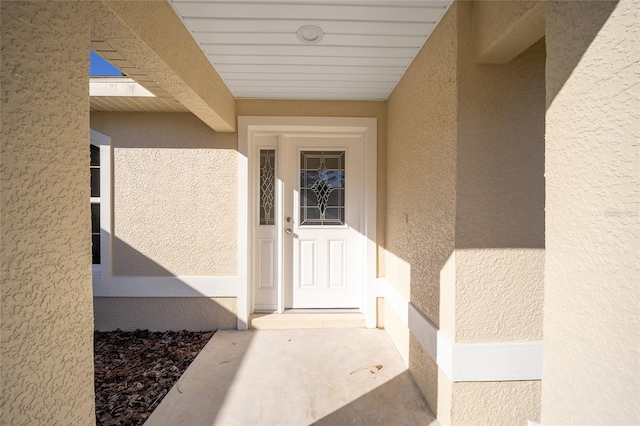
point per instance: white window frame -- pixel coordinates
(103, 142)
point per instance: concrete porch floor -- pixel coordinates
(295, 377)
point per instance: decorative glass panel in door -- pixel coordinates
(267, 186)
(322, 188)
(322, 243)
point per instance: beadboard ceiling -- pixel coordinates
(366, 48)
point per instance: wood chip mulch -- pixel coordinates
(135, 370)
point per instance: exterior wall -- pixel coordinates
(47, 335)
(465, 164)
(174, 195)
(591, 371)
(421, 179)
(421, 170)
(500, 197)
(494, 403)
(255, 107)
(499, 257)
(424, 370)
(179, 313)
(502, 30)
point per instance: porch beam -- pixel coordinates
(150, 36)
(503, 30)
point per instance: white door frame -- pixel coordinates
(247, 127)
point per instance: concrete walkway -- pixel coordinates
(295, 377)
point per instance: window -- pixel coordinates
(267, 186)
(100, 166)
(322, 185)
(95, 203)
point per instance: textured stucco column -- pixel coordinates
(47, 323)
(591, 371)
(465, 211)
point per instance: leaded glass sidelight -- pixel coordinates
(322, 187)
(267, 186)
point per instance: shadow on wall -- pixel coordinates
(584, 32)
(193, 313)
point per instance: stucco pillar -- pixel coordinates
(47, 323)
(591, 371)
(493, 296)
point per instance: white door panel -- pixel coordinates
(322, 198)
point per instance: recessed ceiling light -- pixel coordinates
(310, 34)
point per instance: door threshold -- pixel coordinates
(308, 318)
(321, 311)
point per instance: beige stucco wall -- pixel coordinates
(47, 333)
(500, 196)
(165, 313)
(465, 162)
(591, 367)
(424, 371)
(494, 403)
(421, 179)
(503, 29)
(174, 195)
(378, 110)
(421, 169)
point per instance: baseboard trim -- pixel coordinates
(165, 286)
(466, 362)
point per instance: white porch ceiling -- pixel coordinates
(367, 45)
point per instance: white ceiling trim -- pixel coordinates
(367, 45)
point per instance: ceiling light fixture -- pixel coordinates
(310, 34)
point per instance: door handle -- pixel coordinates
(289, 231)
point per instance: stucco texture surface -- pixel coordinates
(500, 196)
(591, 368)
(503, 29)
(165, 313)
(424, 371)
(495, 403)
(174, 195)
(47, 333)
(421, 169)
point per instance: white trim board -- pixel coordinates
(165, 286)
(466, 362)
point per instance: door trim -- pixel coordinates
(279, 126)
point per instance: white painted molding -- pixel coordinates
(497, 362)
(424, 331)
(244, 301)
(165, 286)
(394, 300)
(466, 362)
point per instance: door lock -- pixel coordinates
(289, 231)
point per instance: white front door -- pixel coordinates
(323, 243)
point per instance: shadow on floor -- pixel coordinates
(379, 406)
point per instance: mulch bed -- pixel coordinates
(135, 370)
